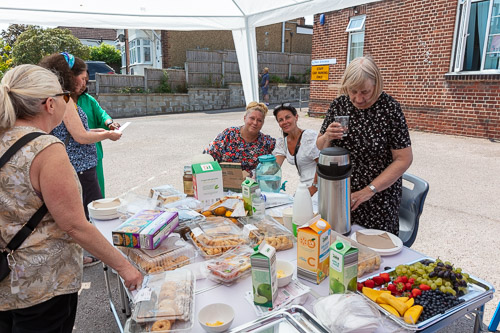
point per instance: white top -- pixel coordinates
(306, 156)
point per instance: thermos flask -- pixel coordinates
(334, 190)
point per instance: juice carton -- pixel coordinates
(264, 279)
(313, 240)
(207, 182)
(343, 267)
(248, 188)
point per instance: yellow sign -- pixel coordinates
(319, 73)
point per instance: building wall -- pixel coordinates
(269, 38)
(411, 41)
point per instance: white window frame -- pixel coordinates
(354, 31)
(137, 55)
(460, 39)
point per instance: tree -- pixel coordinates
(35, 43)
(13, 32)
(107, 53)
(5, 58)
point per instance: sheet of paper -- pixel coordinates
(381, 241)
(122, 127)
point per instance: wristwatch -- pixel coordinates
(108, 122)
(372, 188)
(315, 185)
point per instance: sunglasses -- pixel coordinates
(65, 94)
(283, 106)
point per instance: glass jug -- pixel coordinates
(268, 174)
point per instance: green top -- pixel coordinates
(96, 116)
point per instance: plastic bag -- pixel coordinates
(347, 313)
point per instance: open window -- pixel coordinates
(356, 30)
(477, 37)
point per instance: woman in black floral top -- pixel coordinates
(378, 141)
(244, 144)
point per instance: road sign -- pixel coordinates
(319, 73)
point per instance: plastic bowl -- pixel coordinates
(288, 269)
(216, 312)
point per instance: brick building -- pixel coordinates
(445, 83)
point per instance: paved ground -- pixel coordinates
(460, 222)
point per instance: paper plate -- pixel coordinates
(104, 209)
(383, 252)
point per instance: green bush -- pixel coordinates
(164, 87)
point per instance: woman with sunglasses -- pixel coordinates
(74, 130)
(297, 146)
(40, 292)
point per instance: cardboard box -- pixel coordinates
(313, 242)
(146, 229)
(264, 278)
(248, 188)
(232, 176)
(207, 182)
(343, 267)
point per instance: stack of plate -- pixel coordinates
(105, 209)
(398, 244)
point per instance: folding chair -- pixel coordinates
(412, 205)
(494, 321)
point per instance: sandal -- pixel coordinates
(90, 261)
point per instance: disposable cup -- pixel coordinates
(344, 122)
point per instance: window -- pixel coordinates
(477, 36)
(140, 51)
(356, 30)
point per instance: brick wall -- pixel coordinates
(411, 41)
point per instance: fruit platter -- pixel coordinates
(418, 294)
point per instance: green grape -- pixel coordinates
(453, 292)
(421, 271)
(425, 276)
(443, 289)
(465, 276)
(433, 286)
(413, 276)
(404, 270)
(458, 270)
(424, 281)
(447, 284)
(399, 267)
(398, 271)
(438, 260)
(439, 281)
(429, 269)
(447, 263)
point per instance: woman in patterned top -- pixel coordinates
(48, 264)
(74, 129)
(379, 143)
(244, 144)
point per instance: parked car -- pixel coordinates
(98, 67)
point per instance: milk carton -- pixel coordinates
(264, 279)
(313, 241)
(343, 267)
(207, 182)
(248, 188)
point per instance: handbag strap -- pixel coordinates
(29, 226)
(297, 146)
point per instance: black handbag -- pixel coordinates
(6, 258)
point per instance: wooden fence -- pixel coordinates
(215, 68)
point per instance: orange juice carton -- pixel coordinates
(264, 278)
(313, 241)
(343, 267)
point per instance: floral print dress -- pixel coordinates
(373, 133)
(229, 146)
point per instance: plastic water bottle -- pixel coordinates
(302, 207)
(258, 204)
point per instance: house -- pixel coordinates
(167, 49)
(93, 36)
(440, 59)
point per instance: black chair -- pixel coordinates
(412, 205)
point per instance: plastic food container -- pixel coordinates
(172, 253)
(230, 266)
(270, 230)
(216, 236)
(172, 300)
(368, 260)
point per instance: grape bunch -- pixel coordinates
(437, 274)
(435, 302)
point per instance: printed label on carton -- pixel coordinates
(264, 278)
(313, 251)
(343, 267)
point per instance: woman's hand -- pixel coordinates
(114, 126)
(357, 198)
(334, 131)
(132, 278)
(114, 135)
(312, 190)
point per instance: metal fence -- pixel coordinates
(216, 68)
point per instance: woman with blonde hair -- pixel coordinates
(244, 144)
(378, 141)
(42, 223)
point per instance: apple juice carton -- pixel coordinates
(264, 279)
(313, 241)
(248, 188)
(343, 267)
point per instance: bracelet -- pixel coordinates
(314, 185)
(372, 188)
(110, 122)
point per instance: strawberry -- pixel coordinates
(400, 287)
(399, 279)
(369, 283)
(411, 280)
(416, 292)
(424, 287)
(360, 286)
(392, 288)
(404, 279)
(408, 286)
(386, 277)
(378, 280)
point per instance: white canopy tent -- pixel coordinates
(239, 16)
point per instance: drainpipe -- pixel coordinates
(283, 37)
(127, 53)
(157, 52)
